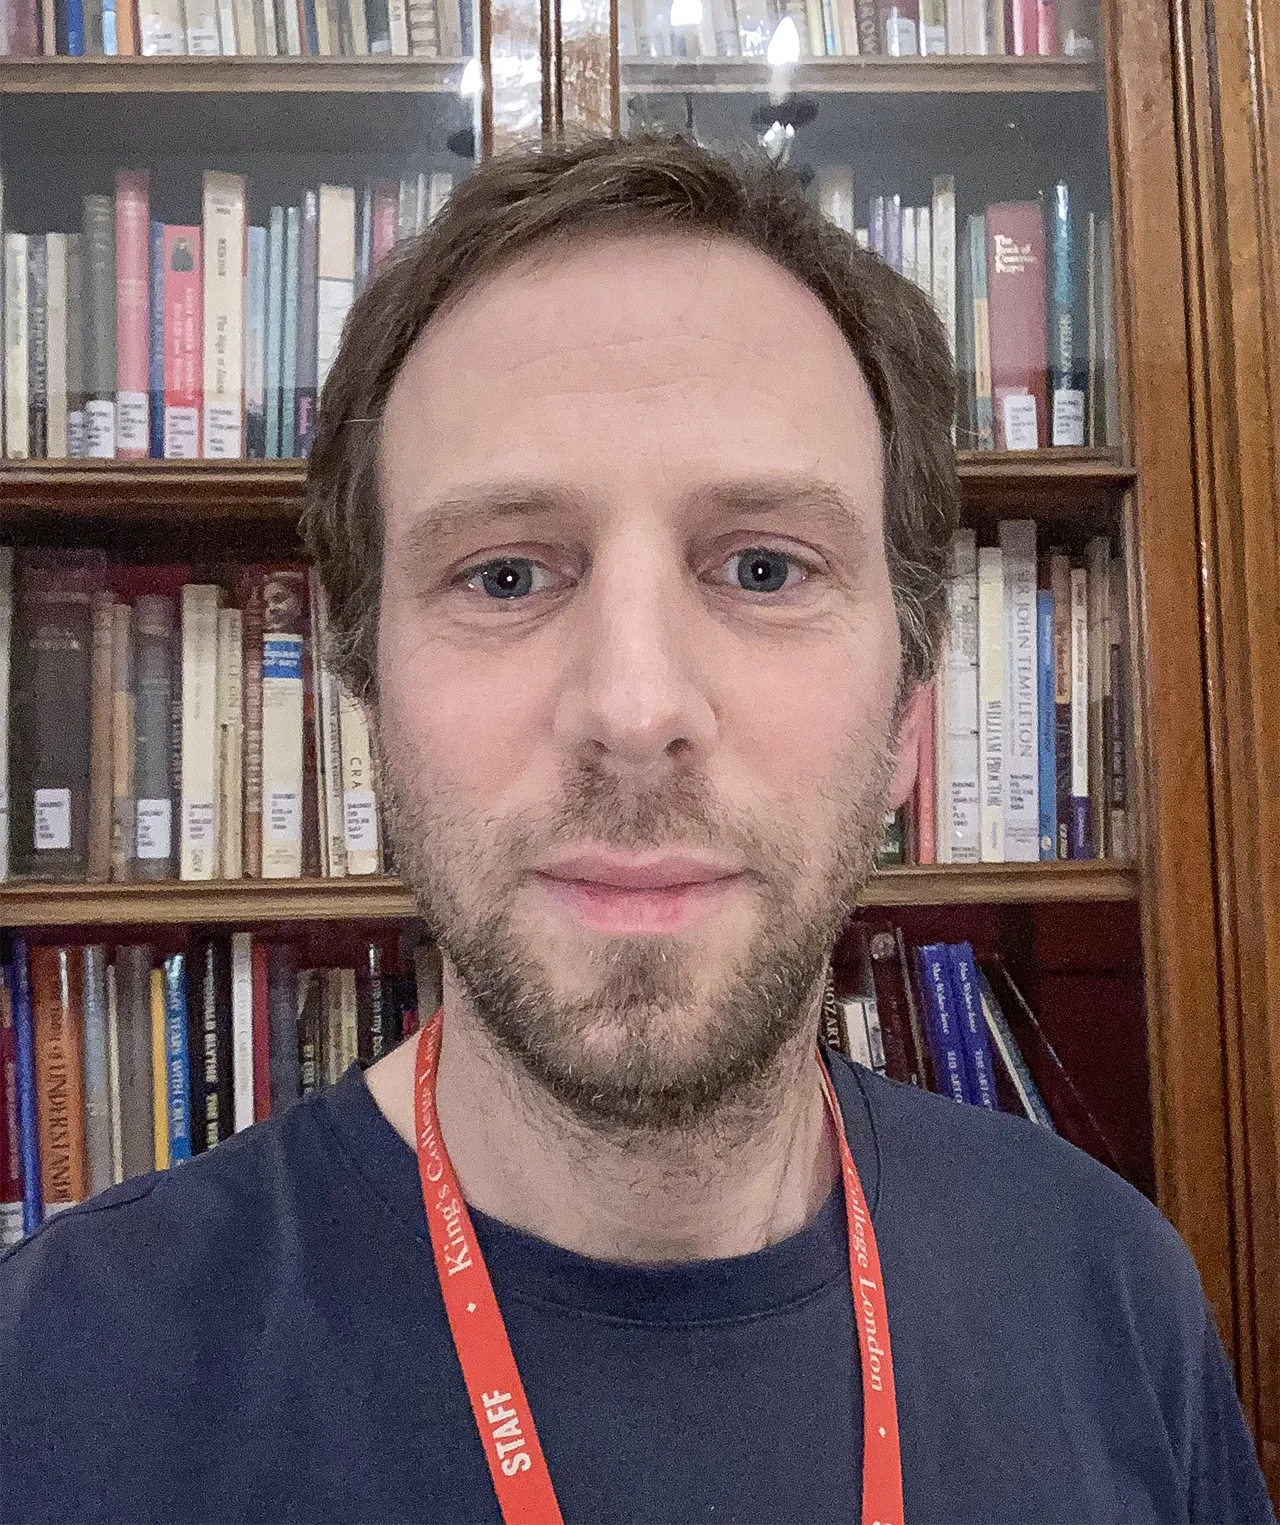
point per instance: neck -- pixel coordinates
(522, 1159)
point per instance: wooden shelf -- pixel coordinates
(282, 900)
(864, 75)
(258, 490)
(248, 76)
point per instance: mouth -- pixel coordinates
(653, 894)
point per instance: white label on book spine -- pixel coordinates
(935, 39)
(53, 820)
(1068, 417)
(222, 431)
(333, 303)
(360, 814)
(284, 816)
(198, 827)
(102, 430)
(75, 434)
(181, 434)
(131, 420)
(155, 822)
(1020, 432)
(161, 38)
(901, 36)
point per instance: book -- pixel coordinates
(37, 347)
(902, 1062)
(359, 800)
(972, 1025)
(204, 34)
(56, 332)
(1005, 1048)
(942, 1022)
(223, 348)
(177, 1058)
(56, 996)
(77, 397)
(1067, 399)
(1098, 594)
(1024, 28)
(926, 799)
(113, 1077)
(289, 335)
(313, 1004)
(328, 738)
(99, 246)
(251, 707)
(262, 1070)
(1021, 688)
(983, 422)
(28, 1104)
(183, 327)
(162, 28)
(133, 308)
(1046, 27)
(991, 702)
(373, 1036)
(230, 760)
(153, 644)
(1047, 721)
(101, 703)
(198, 841)
(6, 668)
(899, 20)
(282, 1004)
(1080, 823)
(933, 27)
(275, 326)
(1016, 321)
(132, 966)
(961, 823)
(17, 420)
(385, 211)
(242, 1046)
(97, 1086)
(284, 628)
(1060, 588)
(210, 998)
(335, 273)
(1116, 718)
(155, 346)
(306, 362)
(10, 1124)
(255, 345)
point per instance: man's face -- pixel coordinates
(638, 663)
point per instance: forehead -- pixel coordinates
(629, 357)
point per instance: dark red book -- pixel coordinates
(1047, 27)
(900, 1058)
(23, 28)
(10, 1142)
(261, 1035)
(1016, 320)
(1024, 27)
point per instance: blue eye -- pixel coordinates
(511, 577)
(760, 570)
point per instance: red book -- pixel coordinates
(56, 975)
(24, 28)
(386, 212)
(10, 1142)
(926, 792)
(261, 1035)
(1047, 27)
(1016, 321)
(183, 343)
(1024, 27)
(133, 313)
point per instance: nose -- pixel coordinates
(635, 692)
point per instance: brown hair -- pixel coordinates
(539, 198)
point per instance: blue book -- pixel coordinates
(28, 1117)
(155, 352)
(275, 328)
(177, 1060)
(73, 10)
(289, 337)
(255, 345)
(983, 407)
(1066, 401)
(1015, 1066)
(941, 1026)
(972, 1025)
(110, 41)
(1047, 721)
(311, 32)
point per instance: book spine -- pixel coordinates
(1098, 558)
(216, 1040)
(328, 738)
(991, 689)
(262, 1071)
(97, 1088)
(230, 743)
(933, 27)
(137, 1078)
(973, 1027)
(1046, 28)
(379, 26)
(153, 640)
(385, 212)
(1047, 723)
(1003, 1043)
(56, 988)
(56, 311)
(335, 273)
(868, 26)
(159, 1070)
(247, 27)
(227, 44)
(156, 346)
(984, 406)
(374, 1039)
(1060, 587)
(28, 1108)
(902, 1063)
(282, 731)
(358, 23)
(100, 346)
(314, 859)
(255, 346)
(893, 231)
(898, 23)
(73, 28)
(204, 36)
(183, 342)
(224, 261)
(955, 26)
(177, 1058)
(289, 340)
(101, 782)
(1080, 841)
(1022, 732)
(17, 421)
(315, 989)
(133, 319)
(962, 821)
(941, 1022)
(1067, 402)
(926, 798)
(275, 323)
(251, 765)
(359, 800)
(398, 26)
(1024, 29)
(200, 740)
(242, 1028)
(37, 347)
(306, 363)
(1016, 318)
(113, 1077)
(282, 1002)
(6, 670)
(77, 381)
(10, 1122)
(1118, 841)
(23, 28)
(162, 28)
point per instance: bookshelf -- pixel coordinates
(1175, 927)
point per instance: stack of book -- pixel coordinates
(1025, 746)
(118, 1061)
(1030, 317)
(239, 28)
(157, 727)
(930, 1016)
(847, 28)
(133, 338)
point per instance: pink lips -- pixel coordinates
(655, 893)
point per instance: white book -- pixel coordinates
(359, 30)
(224, 269)
(6, 643)
(227, 28)
(924, 250)
(246, 31)
(292, 29)
(991, 726)
(941, 765)
(200, 750)
(960, 819)
(909, 244)
(271, 44)
(113, 1078)
(359, 798)
(1079, 704)
(204, 35)
(975, 26)
(17, 417)
(955, 26)
(163, 28)
(398, 20)
(1021, 676)
(328, 732)
(282, 770)
(242, 1029)
(230, 743)
(835, 194)
(943, 254)
(56, 341)
(335, 272)
(349, 1019)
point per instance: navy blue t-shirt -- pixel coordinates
(258, 1335)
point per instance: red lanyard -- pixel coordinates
(516, 1463)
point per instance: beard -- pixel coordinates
(651, 1043)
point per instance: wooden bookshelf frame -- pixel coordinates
(378, 74)
(861, 75)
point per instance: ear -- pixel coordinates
(917, 713)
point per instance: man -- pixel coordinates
(631, 493)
